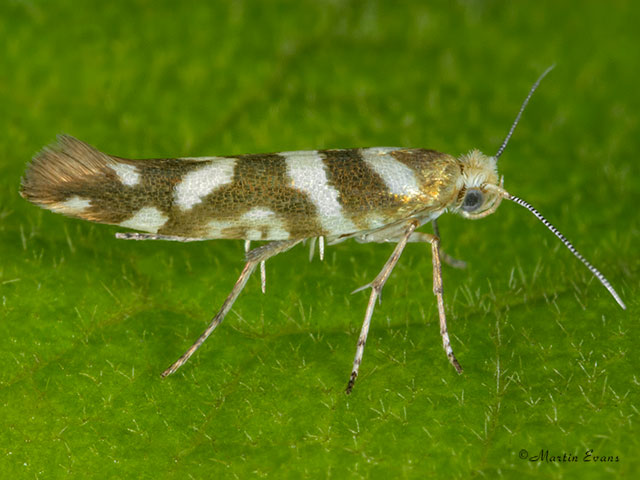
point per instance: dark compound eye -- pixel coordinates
(472, 200)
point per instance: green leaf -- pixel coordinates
(88, 322)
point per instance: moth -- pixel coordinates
(381, 194)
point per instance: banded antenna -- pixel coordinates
(522, 107)
(596, 273)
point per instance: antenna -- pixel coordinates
(562, 238)
(522, 107)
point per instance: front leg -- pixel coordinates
(438, 292)
(448, 259)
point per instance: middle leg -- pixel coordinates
(376, 288)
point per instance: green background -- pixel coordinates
(89, 322)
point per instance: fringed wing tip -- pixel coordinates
(31, 181)
(65, 161)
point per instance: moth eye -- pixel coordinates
(472, 200)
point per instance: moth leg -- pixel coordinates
(321, 247)
(263, 270)
(437, 291)
(254, 257)
(449, 260)
(437, 255)
(312, 248)
(445, 257)
(155, 236)
(376, 288)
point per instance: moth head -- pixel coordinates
(479, 187)
(480, 193)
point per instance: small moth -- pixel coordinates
(380, 194)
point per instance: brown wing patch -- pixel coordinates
(259, 181)
(362, 191)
